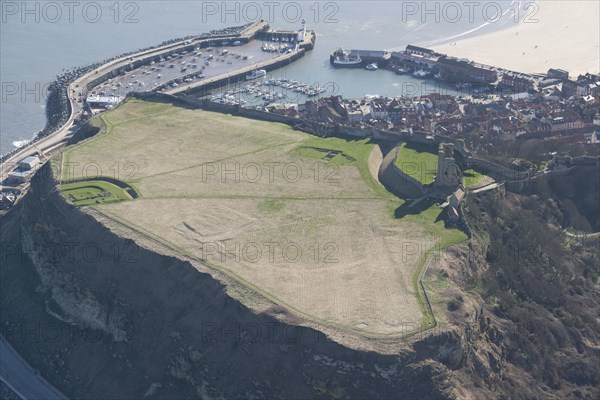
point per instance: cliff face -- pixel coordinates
(114, 320)
(539, 288)
(100, 316)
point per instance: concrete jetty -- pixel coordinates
(381, 57)
(83, 84)
(237, 74)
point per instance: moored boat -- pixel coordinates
(342, 58)
(422, 73)
(256, 74)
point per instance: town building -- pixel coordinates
(461, 70)
(29, 163)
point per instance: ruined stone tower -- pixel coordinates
(448, 175)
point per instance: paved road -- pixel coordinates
(22, 379)
(14, 371)
(59, 136)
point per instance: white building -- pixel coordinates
(29, 163)
(104, 101)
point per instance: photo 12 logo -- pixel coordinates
(282, 253)
(24, 92)
(268, 172)
(469, 11)
(235, 12)
(61, 12)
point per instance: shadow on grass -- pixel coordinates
(422, 147)
(419, 208)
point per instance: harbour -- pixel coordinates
(236, 54)
(424, 63)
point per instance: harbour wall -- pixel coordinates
(58, 106)
(203, 87)
(382, 58)
(154, 56)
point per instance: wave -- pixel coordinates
(20, 143)
(500, 20)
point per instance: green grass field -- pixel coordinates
(418, 161)
(351, 152)
(472, 178)
(360, 250)
(93, 192)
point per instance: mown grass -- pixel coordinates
(418, 161)
(472, 178)
(339, 152)
(93, 192)
(357, 150)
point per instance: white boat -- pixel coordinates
(256, 74)
(347, 62)
(372, 67)
(237, 43)
(344, 58)
(402, 71)
(422, 73)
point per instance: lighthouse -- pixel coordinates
(302, 32)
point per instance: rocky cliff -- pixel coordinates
(102, 317)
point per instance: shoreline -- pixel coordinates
(58, 105)
(565, 36)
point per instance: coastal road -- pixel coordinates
(14, 370)
(22, 379)
(80, 83)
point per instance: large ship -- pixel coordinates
(342, 58)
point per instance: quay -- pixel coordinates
(41, 149)
(381, 57)
(426, 63)
(237, 75)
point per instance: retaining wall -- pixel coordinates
(396, 181)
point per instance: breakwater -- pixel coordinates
(58, 106)
(203, 87)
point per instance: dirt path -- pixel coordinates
(374, 162)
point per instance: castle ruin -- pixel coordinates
(448, 177)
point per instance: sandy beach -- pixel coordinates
(566, 35)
